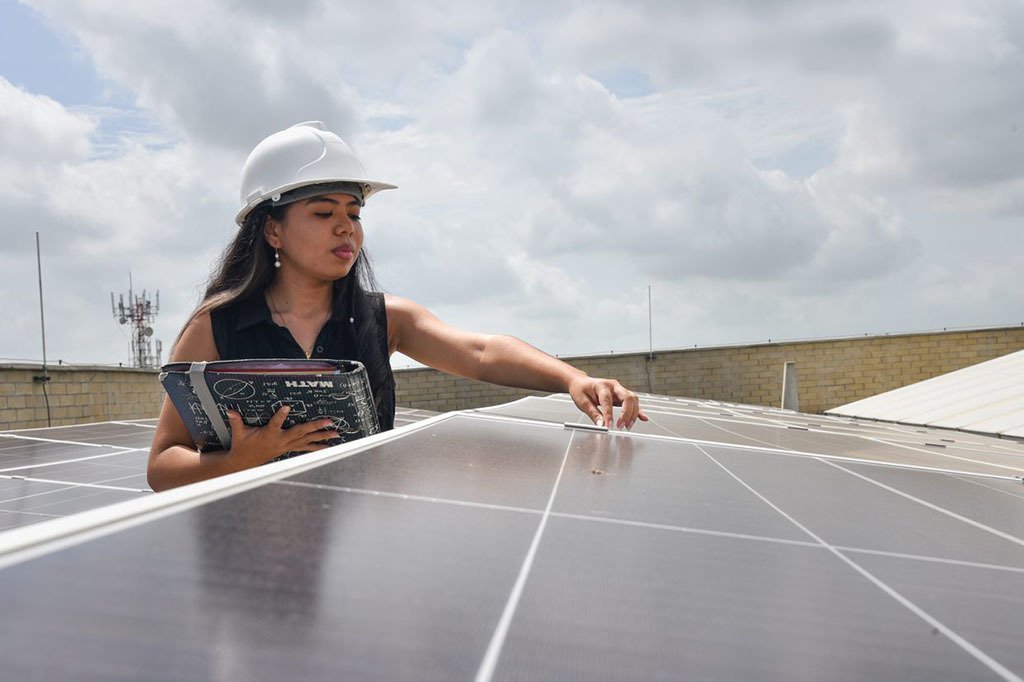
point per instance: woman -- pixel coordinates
(293, 283)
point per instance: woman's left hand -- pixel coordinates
(596, 397)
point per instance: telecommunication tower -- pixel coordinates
(140, 311)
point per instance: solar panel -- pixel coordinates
(51, 472)
(490, 545)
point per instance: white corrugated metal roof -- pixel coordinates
(985, 398)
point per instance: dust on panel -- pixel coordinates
(617, 477)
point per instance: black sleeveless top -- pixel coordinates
(245, 330)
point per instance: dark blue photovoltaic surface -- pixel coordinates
(611, 556)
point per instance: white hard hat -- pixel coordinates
(305, 154)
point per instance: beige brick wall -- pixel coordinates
(831, 372)
(76, 395)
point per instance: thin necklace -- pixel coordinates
(284, 323)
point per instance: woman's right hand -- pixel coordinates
(255, 445)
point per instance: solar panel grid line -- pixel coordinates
(29, 513)
(969, 446)
(783, 423)
(683, 529)
(934, 507)
(931, 559)
(886, 441)
(68, 461)
(772, 422)
(69, 486)
(64, 487)
(102, 483)
(648, 525)
(77, 484)
(21, 544)
(912, 447)
(494, 647)
(763, 447)
(406, 496)
(858, 426)
(661, 409)
(959, 640)
(63, 442)
(145, 426)
(564, 515)
(1016, 469)
(1004, 492)
(897, 434)
(61, 426)
(474, 414)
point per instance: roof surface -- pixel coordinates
(983, 398)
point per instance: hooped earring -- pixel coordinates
(277, 258)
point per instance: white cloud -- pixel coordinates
(36, 133)
(792, 169)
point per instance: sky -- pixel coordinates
(767, 169)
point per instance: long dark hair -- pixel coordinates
(246, 268)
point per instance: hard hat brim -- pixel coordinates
(369, 187)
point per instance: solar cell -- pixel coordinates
(488, 546)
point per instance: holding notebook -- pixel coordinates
(204, 392)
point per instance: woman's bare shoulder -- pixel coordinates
(196, 341)
(400, 304)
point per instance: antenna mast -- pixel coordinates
(140, 311)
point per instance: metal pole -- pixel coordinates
(650, 322)
(42, 319)
(44, 378)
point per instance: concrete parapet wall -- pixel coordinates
(831, 372)
(77, 395)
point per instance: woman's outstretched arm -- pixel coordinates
(498, 359)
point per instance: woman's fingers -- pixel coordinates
(630, 407)
(606, 401)
(597, 397)
(274, 438)
(277, 421)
